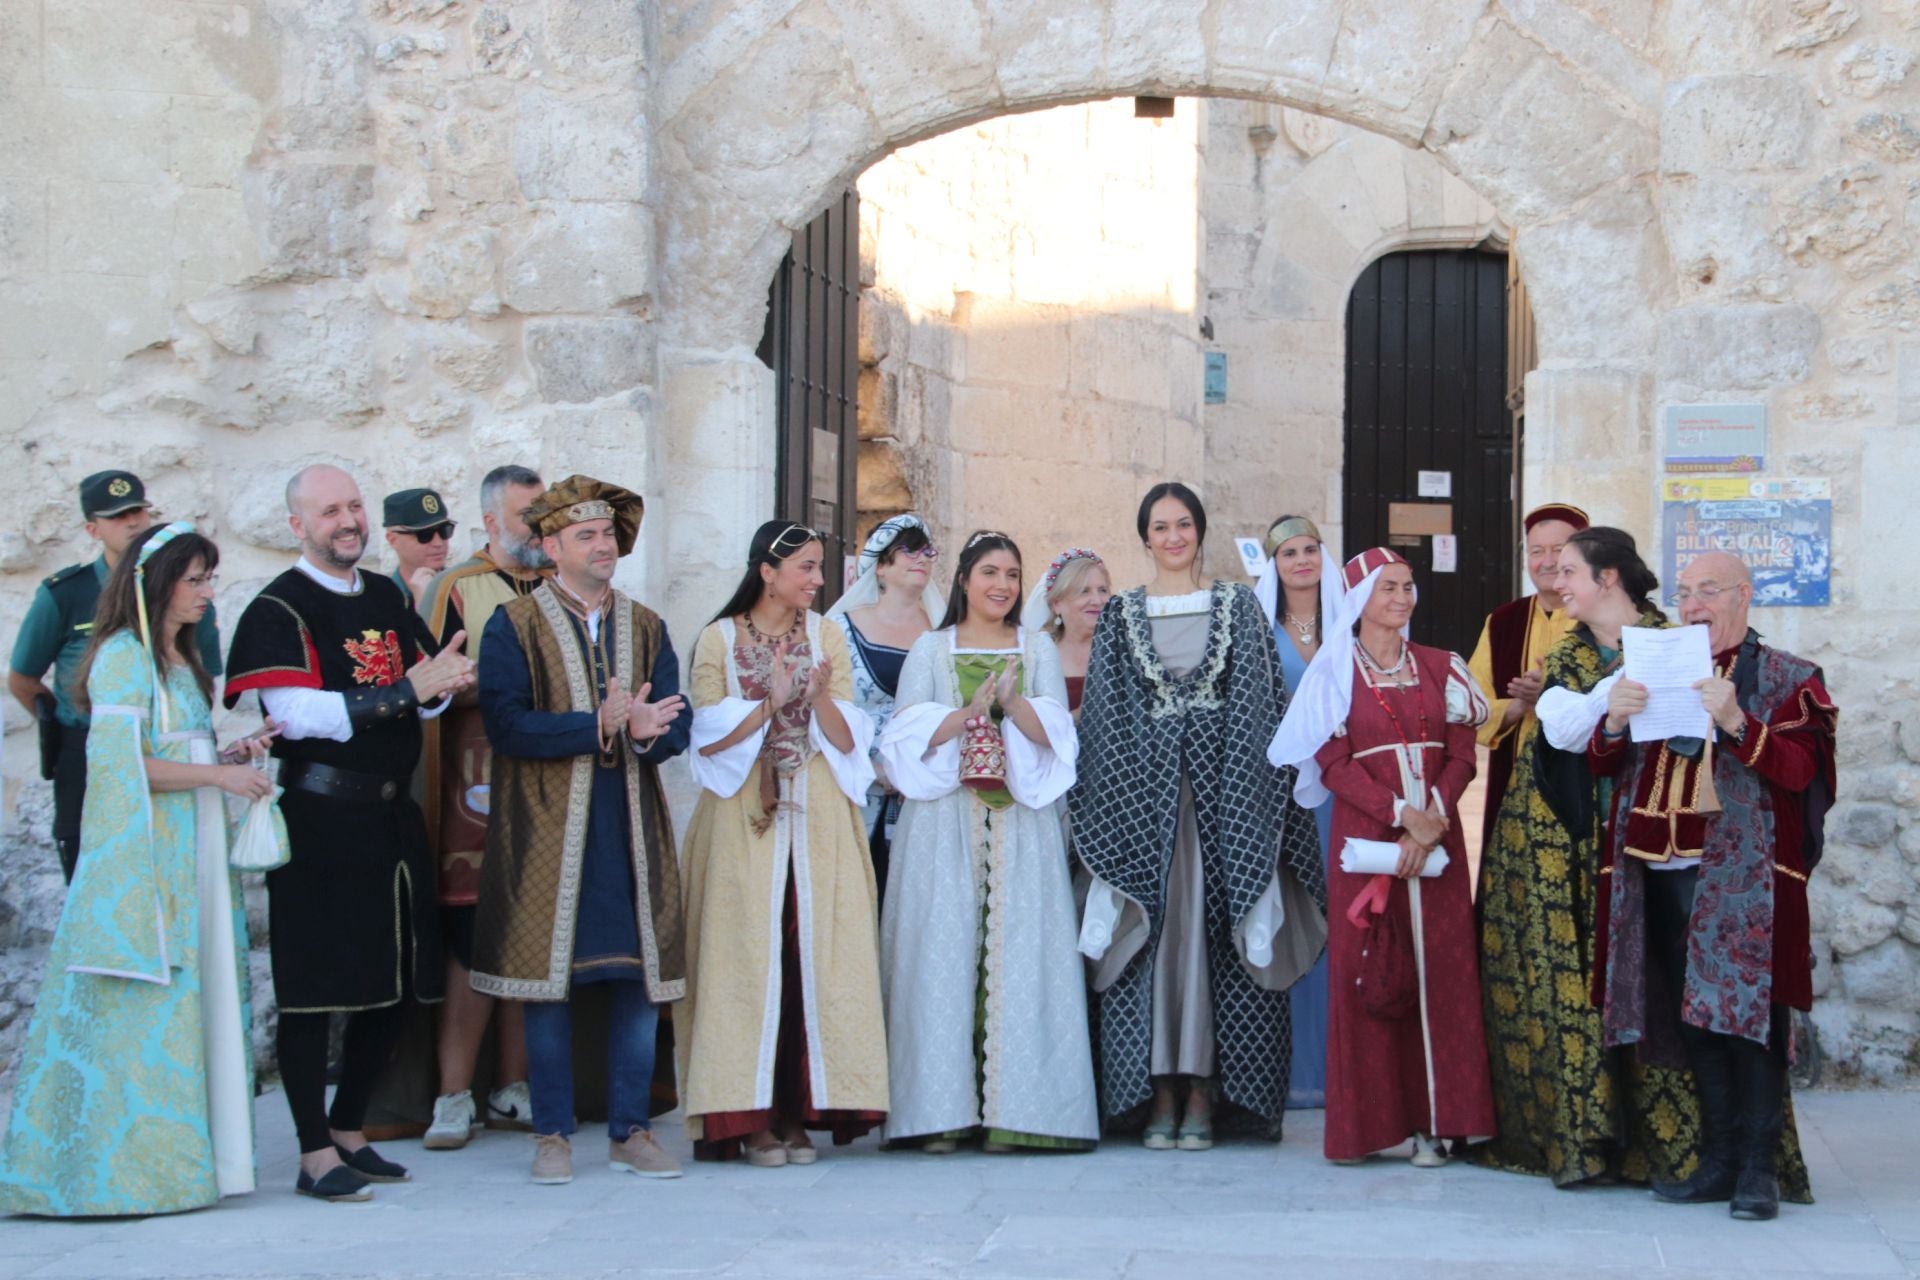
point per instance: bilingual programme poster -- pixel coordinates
(1781, 528)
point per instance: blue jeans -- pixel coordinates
(631, 1022)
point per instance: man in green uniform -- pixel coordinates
(420, 531)
(54, 636)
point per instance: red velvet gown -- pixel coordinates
(1426, 1072)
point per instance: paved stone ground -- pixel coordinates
(1244, 1209)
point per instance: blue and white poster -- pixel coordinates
(1781, 529)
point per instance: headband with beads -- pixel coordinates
(1060, 562)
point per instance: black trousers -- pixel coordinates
(69, 795)
(1742, 1085)
(301, 1043)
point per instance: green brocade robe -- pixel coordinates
(135, 1087)
(1565, 1106)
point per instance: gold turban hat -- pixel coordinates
(578, 499)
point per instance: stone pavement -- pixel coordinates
(1244, 1209)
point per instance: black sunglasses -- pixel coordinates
(442, 531)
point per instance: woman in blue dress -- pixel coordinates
(1297, 595)
(892, 604)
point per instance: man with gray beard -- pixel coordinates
(457, 755)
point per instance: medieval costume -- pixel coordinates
(354, 927)
(1206, 904)
(783, 1001)
(1516, 639)
(1406, 1055)
(1565, 1105)
(1307, 1083)
(985, 991)
(876, 675)
(1704, 942)
(135, 1088)
(579, 884)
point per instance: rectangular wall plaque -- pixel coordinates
(1419, 519)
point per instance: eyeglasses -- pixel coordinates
(441, 531)
(202, 581)
(928, 552)
(1705, 595)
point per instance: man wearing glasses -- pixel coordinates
(420, 531)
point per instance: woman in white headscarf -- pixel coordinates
(892, 604)
(1300, 598)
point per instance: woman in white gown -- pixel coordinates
(980, 972)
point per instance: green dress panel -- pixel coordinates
(1566, 1107)
(138, 1047)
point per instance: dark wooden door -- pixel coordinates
(811, 343)
(1426, 391)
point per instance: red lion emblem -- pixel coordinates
(376, 658)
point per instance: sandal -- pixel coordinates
(773, 1156)
(1197, 1135)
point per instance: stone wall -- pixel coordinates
(1030, 336)
(425, 236)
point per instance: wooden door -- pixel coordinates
(1426, 392)
(811, 343)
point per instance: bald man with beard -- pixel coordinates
(347, 669)
(1705, 942)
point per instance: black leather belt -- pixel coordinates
(339, 784)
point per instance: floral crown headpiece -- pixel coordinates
(1060, 562)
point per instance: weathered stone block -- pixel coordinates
(917, 61)
(1263, 45)
(596, 38)
(1735, 122)
(1745, 347)
(1808, 24)
(582, 257)
(451, 271)
(1889, 135)
(1841, 216)
(882, 485)
(23, 228)
(577, 360)
(1859, 925)
(1721, 237)
(1869, 70)
(312, 218)
(1883, 975)
(581, 148)
(1590, 278)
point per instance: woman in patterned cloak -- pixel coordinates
(135, 1089)
(1565, 1106)
(1207, 903)
(985, 990)
(784, 1032)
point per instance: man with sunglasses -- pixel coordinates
(420, 531)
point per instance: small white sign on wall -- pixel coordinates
(1446, 553)
(1253, 556)
(1436, 484)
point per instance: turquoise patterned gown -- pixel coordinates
(135, 1088)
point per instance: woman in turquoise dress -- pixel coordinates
(135, 1089)
(1296, 596)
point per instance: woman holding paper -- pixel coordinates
(781, 1030)
(985, 991)
(1387, 726)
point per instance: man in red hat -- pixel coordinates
(1514, 643)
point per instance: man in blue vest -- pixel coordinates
(54, 634)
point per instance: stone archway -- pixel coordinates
(1561, 140)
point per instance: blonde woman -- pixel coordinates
(1066, 605)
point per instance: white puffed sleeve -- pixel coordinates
(724, 772)
(1038, 775)
(1466, 704)
(917, 769)
(1568, 718)
(852, 769)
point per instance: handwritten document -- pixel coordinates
(1669, 661)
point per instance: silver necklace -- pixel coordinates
(1303, 627)
(1394, 670)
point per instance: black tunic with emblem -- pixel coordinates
(353, 916)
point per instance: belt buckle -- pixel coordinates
(389, 789)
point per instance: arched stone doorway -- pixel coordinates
(1566, 164)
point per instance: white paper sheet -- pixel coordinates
(1669, 660)
(1382, 858)
(1446, 553)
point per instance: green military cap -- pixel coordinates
(414, 509)
(111, 493)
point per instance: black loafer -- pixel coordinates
(338, 1185)
(369, 1164)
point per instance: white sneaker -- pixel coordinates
(1427, 1153)
(511, 1107)
(453, 1122)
